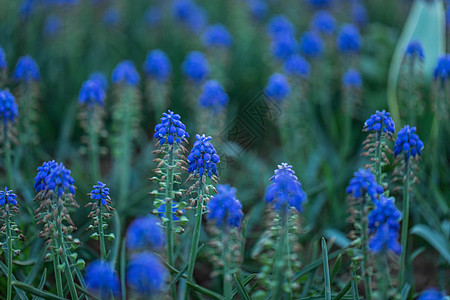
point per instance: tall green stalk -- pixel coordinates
(227, 285)
(101, 234)
(9, 254)
(383, 275)
(93, 144)
(58, 279)
(364, 238)
(169, 215)
(378, 158)
(405, 214)
(280, 263)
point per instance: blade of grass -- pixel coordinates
(343, 291)
(32, 290)
(326, 270)
(122, 270)
(244, 282)
(20, 293)
(241, 288)
(42, 281)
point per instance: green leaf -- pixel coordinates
(122, 270)
(244, 282)
(326, 270)
(241, 288)
(437, 240)
(336, 267)
(344, 291)
(314, 265)
(42, 282)
(337, 237)
(32, 290)
(405, 291)
(20, 293)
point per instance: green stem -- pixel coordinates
(227, 286)
(364, 272)
(8, 160)
(169, 215)
(378, 158)
(383, 272)
(101, 235)
(280, 262)
(405, 214)
(9, 253)
(59, 286)
(93, 144)
(355, 293)
(125, 159)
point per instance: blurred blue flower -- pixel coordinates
(52, 25)
(296, 65)
(362, 183)
(100, 78)
(278, 87)
(111, 17)
(311, 44)
(26, 70)
(323, 22)
(320, 3)
(100, 193)
(442, 70)
(213, 96)
(7, 197)
(280, 24)
(408, 142)
(203, 157)
(170, 129)
(3, 63)
(385, 211)
(217, 36)
(196, 67)
(283, 46)
(125, 72)
(146, 275)
(258, 8)
(162, 211)
(225, 208)
(352, 78)
(145, 233)
(285, 190)
(380, 120)
(92, 93)
(52, 176)
(190, 14)
(153, 16)
(349, 40)
(359, 13)
(431, 294)
(157, 65)
(26, 7)
(415, 49)
(385, 238)
(102, 280)
(8, 107)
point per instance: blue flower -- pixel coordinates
(213, 96)
(145, 233)
(283, 46)
(7, 197)
(385, 211)
(408, 142)
(381, 120)
(170, 129)
(26, 70)
(125, 72)
(196, 67)
(415, 49)
(442, 70)
(53, 176)
(203, 157)
(278, 87)
(189, 14)
(217, 35)
(285, 189)
(92, 93)
(359, 14)
(157, 65)
(296, 65)
(3, 63)
(111, 17)
(280, 24)
(258, 8)
(153, 15)
(352, 78)
(52, 25)
(320, 3)
(385, 239)
(8, 107)
(102, 279)
(311, 44)
(323, 22)
(431, 294)
(100, 193)
(363, 183)
(225, 208)
(162, 211)
(100, 78)
(146, 275)
(349, 40)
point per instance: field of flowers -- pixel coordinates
(238, 149)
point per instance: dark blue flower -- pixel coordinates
(8, 107)
(100, 193)
(320, 3)
(381, 120)
(52, 26)
(278, 87)
(431, 294)
(146, 275)
(7, 197)
(157, 65)
(190, 14)
(359, 14)
(352, 78)
(203, 157)
(153, 16)
(213, 96)
(196, 67)
(285, 189)
(258, 8)
(162, 211)
(92, 93)
(442, 70)
(415, 49)
(311, 44)
(349, 40)
(52, 176)
(102, 280)
(225, 208)
(26, 69)
(145, 233)
(170, 129)
(408, 142)
(296, 65)
(385, 239)
(283, 45)
(3, 63)
(323, 22)
(125, 72)
(111, 17)
(217, 36)
(280, 24)
(100, 78)
(362, 183)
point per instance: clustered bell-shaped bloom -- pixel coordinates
(170, 129)
(280, 24)
(145, 233)
(352, 79)
(442, 70)
(278, 87)
(3, 63)
(258, 8)
(92, 93)
(385, 238)
(196, 67)
(217, 36)
(320, 3)
(283, 46)
(408, 142)
(100, 78)
(224, 208)
(7, 197)
(359, 14)
(125, 72)
(102, 280)
(203, 157)
(285, 190)
(415, 49)
(323, 22)
(349, 39)
(100, 193)
(162, 211)
(153, 16)
(362, 183)
(380, 121)
(431, 294)
(146, 275)
(157, 65)
(26, 70)
(189, 14)
(311, 44)
(296, 65)
(52, 176)
(213, 96)
(8, 107)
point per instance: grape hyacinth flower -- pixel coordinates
(157, 65)
(111, 17)
(359, 14)
(171, 129)
(217, 36)
(362, 183)
(224, 208)
(352, 79)
(431, 294)
(100, 193)
(3, 63)
(189, 14)
(283, 46)
(175, 211)
(26, 70)
(146, 275)
(408, 142)
(415, 49)
(92, 93)
(9, 113)
(323, 22)
(278, 25)
(8, 107)
(7, 197)
(349, 39)
(100, 78)
(102, 280)
(213, 97)
(203, 158)
(311, 44)
(258, 8)
(125, 73)
(145, 233)
(380, 121)
(442, 70)
(51, 177)
(278, 87)
(196, 67)
(296, 65)
(320, 3)
(52, 26)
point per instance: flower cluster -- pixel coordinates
(431, 294)
(3, 63)
(408, 142)
(170, 129)
(26, 70)
(352, 78)
(285, 189)
(278, 25)
(100, 78)
(196, 67)
(7, 197)
(102, 279)
(380, 121)
(323, 22)
(415, 49)
(157, 65)
(442, 70)
(145, 233)
(283, 46)
(349, 40)
(225, 208)
(146, 275)
(258, 8)
(359, 14)
(125, 72)
(213, 96)
(100, 193)
(52, 176)
(189, 14)
(203, 157)
(296, 65)
(320, 3)
(311, 44)
(363, 183)
(278, 87)
(8, 107)
(217, 36)
(52, 26)
(92, 93)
